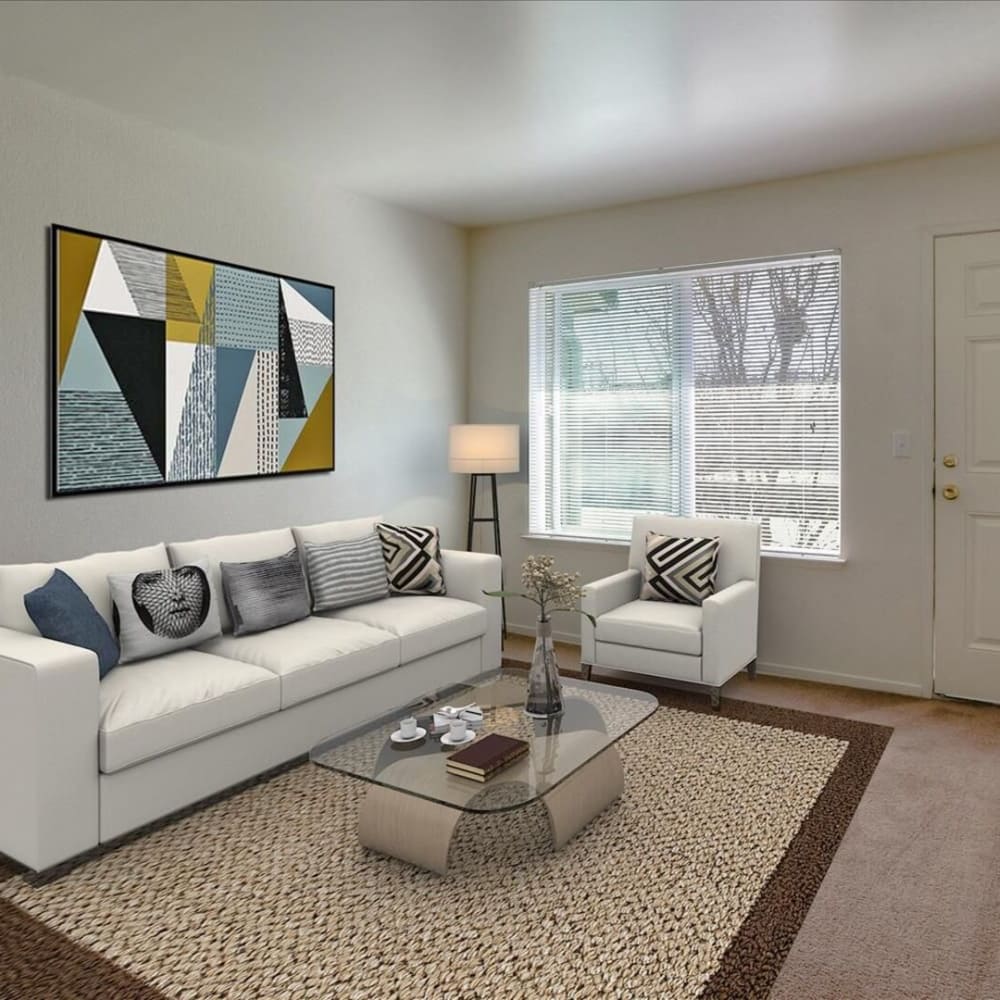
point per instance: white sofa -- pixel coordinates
(705, 645)
(84, 760)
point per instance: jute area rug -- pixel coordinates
(693, 885)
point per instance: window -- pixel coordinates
(711, 391)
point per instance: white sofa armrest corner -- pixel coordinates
(600, 597)
(466, 576)
(49, 718)
(729, 631)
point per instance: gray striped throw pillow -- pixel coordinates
(265, 594)
(345, 573)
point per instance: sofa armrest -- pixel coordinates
(49, 717)
(600, 597)
(467, 575)
(729, 631)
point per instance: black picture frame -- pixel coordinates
(54, 491)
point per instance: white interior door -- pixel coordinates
(967, 473)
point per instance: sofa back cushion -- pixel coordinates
(334, 531)
(90, 573)
(251, 547)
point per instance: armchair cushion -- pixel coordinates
(681, 570)
(669, 627)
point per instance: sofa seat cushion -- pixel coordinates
(672, 628)
(314, 655)
(425, 625)
(154, 706)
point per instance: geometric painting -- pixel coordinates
(169, 368)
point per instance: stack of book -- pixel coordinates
(486, 757)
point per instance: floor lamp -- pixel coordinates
(484, 450)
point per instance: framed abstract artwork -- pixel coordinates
(170, 368)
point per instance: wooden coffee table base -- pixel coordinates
(584, 795)
(419, 831)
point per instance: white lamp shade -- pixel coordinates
(484, 448)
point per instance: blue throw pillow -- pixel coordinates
(62, 611)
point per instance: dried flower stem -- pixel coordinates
(547, 587)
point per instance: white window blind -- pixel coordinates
(712, 391)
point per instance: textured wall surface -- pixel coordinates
(400, 323)
(866, 621)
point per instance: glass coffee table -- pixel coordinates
(413, 803)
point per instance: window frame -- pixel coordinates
(820, 558)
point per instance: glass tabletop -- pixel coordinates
(594, 717)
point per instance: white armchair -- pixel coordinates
(681, 642)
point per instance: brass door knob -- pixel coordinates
(950, 492)
(949, 461)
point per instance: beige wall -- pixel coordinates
(401, 351)
(400, 323)
(867, 621)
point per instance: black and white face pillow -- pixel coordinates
(172, 603)
(163, 610)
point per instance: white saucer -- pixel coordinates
(449, 742)
(398, 737)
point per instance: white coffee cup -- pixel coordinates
(457, 730)
(408, 727)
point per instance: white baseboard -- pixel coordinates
(785, 670)
(843, 680)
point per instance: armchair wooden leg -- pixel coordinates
(715, 694)
(585, 670)
(752, 670)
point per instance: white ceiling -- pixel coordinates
(480, 112)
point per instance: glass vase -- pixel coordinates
(544, 690)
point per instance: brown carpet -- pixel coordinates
(89, 903)
(756, 956)
(910, 908)
(38, 963)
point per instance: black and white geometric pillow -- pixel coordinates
(681, 570)
(412, 559)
